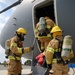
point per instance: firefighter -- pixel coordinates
(53, 53)
(43, 28)
(16, 51)
(46, 26)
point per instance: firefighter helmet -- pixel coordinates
(56, 29)
(21, 30)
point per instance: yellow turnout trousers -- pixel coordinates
(14, 67)
(59, 69)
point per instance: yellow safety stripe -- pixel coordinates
(48, 26)
(35, 30)
(13, 58)
(48, 62)
(13, 44)
(50, 49)
(48, 35)
(54, 61)
(19, 50)
(36, 36)
(57, 50)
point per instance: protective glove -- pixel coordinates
(41, 60)
(39, 56)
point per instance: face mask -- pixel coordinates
(21, 36)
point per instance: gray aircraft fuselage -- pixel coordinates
(27, 14)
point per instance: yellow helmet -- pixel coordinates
(56, 29)
(55, 34)
(21, 30)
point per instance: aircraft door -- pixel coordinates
(43, 9)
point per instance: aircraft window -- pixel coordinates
(46, 9)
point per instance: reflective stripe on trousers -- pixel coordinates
(14, 58)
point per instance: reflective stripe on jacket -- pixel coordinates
(52, 46)
(51, 51)
(14, 58)
(15, 48)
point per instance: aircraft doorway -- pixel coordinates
(42, 10)
(45, 10)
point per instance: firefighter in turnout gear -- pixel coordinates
(16, 51)
(53, 53)
(42, 32)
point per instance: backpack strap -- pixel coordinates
(60, 44)
(57, 55)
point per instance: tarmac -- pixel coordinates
(26, 70)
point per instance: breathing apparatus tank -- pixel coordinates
(42, 22)
(7, 48)
(66, 47)
(42, 27)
